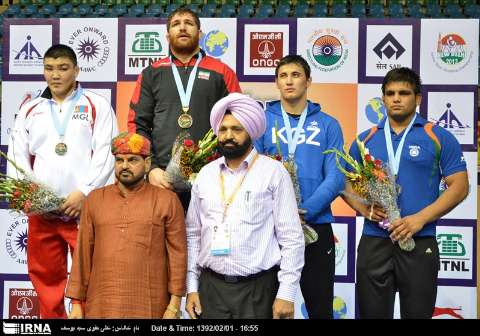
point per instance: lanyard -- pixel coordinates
(61, 128)
(394, 159)
(185, 95)
(293, 138)
(228, 201)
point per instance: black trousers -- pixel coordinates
(383, 269)
(318, 274)
(245, 299)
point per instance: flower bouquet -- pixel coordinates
(374, 183)
(309, 233)
(188, 158)
(26, 195)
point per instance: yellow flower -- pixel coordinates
(135, 144)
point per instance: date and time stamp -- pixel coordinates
(205, 328)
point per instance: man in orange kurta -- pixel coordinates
(130, 260)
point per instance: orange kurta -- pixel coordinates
(131, 253)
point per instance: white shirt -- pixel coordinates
(88, 162)
(263, 221)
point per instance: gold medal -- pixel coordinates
(185, 120)
(61, 148)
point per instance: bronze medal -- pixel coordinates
(185, 120)
(61, 148)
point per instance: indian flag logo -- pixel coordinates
(327, 50)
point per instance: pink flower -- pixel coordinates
(378, 164)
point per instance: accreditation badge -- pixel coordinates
(220, 240)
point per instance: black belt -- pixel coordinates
(238, 278)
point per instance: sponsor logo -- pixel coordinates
(17, 239)
(453, 254)
(26, 328)
(452, 54)
(375, 110)
(266, 49)
(329, 49)
(451, 245)
(339, 308)
(388, 47)
(452, 312)
(145, 50)
(340, 251)
(146, 42)
(215, 43)
(92, 46)
(451, 122)
(28, 54)
(23, 304)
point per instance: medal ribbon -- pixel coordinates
(394, 158)
(61, 128)
(291, 137)
(185, 95)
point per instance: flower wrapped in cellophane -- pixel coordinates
(373, 183)
(188, 158)
(309, 233)
(25, 195)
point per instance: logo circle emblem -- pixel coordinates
(451, 49)
(375, 110)
(266, 49)
(215, 43)
(24, 305)
(414, 152)
(327, 50)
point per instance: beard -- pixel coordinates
(184, 48)
(129, 181)
(236, 151)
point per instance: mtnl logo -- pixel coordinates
(26, 328)
(453, 255)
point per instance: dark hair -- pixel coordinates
(296, 59)
(403, 75)
(183, 11)
(61, 50)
